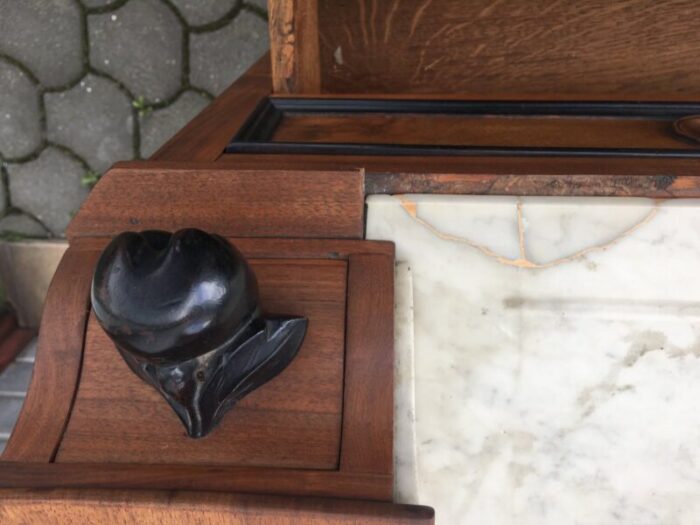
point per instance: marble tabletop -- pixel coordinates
(548, 357)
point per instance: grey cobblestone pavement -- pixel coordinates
(85, 83)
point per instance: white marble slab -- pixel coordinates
(554, 349)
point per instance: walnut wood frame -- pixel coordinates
(365, 469)
(205, 138)
(256, 134)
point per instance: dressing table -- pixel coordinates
(487, 213)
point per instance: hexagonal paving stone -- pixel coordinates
(21, 224)
(160, 125)
(20, 119)
(199, 12)
(94, 119)
(45, 36)
(49, 188)
(245, 40)
(139, 44)
(262, 4)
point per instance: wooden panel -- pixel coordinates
(612, 48)
(292, 421)
(152, 507)
(368, 429)
(484, 131)
(205, 137)
(255, 203)
(257, 480)
(294, 46)
(480, 175)
(47, 406)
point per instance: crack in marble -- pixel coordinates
(411, 209)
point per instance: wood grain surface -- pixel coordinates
(155, 508)
(368, 428)
(292, 421)
(482, 131)
(46, 409)
(251, 480)
(612, 48)
(251, 203)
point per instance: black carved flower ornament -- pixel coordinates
(184, 313)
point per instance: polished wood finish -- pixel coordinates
(254, 203)
(158, 507)
(643, 49)
(292, 421)
(484, 131)
(204, 138)
(369, 379)
(251, 480)
(688, 128)
(46, 409)
(294, 46)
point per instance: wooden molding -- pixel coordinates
(158, 507)
(251, 203)
(47, 407)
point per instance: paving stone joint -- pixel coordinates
(87, 83)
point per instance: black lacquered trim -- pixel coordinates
(256, 133)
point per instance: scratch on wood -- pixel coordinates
(417, 17)
(389, 20)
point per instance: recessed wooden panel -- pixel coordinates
(485, 131)
(567, 49)
(292, 421)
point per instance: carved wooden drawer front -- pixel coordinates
(293, 421)
(323, 426)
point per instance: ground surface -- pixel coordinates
(86, 83)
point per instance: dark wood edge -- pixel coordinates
(292, 482)
(205, 137)
(56, 373)
(232, 504)
(279, 248)
(368, 401)
(502, 95)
